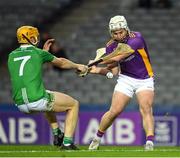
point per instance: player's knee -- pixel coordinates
(146, 110)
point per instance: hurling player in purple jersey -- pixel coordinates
(135, 75)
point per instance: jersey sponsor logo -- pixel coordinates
(129, 58)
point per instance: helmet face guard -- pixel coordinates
(116, 23)
(28, 35)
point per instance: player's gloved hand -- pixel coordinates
(81, 74)
(48, 44)
(82, 70)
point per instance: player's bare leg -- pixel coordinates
(145, 99)
(119, 101)
(58, 135)
(51, 117)
(66, 103)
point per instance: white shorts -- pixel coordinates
(128, 85)
(41, 105)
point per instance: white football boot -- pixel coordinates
(94, 144)
(149, 146)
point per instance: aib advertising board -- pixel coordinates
(18, 128)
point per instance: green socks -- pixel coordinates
(56, 131)
(67, 141)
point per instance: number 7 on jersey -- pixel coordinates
(24, 60)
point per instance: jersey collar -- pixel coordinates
(26, 45)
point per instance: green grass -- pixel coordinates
(104, 151)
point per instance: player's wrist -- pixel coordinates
(76, 66)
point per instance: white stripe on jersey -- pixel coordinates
(24, 95)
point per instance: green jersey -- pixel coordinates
(25, 68)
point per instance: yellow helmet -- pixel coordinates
(28, 34)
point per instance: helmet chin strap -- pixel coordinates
(28, 40)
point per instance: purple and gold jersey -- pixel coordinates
(138, 64)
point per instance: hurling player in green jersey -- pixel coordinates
(29, 94)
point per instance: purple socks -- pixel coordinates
(150, 138)
(100, 134)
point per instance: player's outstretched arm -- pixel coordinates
(98, 70)
(116, 59)
(108, 71)
(68, 64)
(103, 70)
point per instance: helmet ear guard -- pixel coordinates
(118, 22)
(28, 35)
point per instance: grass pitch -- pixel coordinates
(104, 151)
